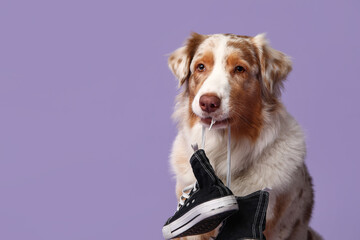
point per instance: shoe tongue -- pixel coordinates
(203, 171)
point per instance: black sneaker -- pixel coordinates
(249, 222)
(205, 206)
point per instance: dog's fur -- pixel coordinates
(267, 144)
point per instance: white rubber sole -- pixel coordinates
(198, 214)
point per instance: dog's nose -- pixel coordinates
(209, 103)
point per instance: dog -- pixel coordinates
(237, 80)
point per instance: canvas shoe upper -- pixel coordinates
(249, 221)
(204, 205)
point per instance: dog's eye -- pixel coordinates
(239, 69)
(200, 67)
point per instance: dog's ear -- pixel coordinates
(179, 61)
(274, 65)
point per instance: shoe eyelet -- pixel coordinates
(193, 201)
(187, 204)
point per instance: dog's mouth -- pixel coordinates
(218, 123)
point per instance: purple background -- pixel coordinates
(86, 98)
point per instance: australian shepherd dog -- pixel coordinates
(237, 80)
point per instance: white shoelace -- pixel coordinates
(187, 190)
(186, 194)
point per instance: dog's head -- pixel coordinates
(230, 79)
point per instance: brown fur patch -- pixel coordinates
(235, 59)
(301, 193)
(275, 66)
(245, 96)
(269, 99)
(294, 230)
(246, 51)
(309, 235)
(310, 205)
(245, 100)
(308, 211)
(282, 203)
(197, 79)
(191, 46)
(193, 43)
(234, 36)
